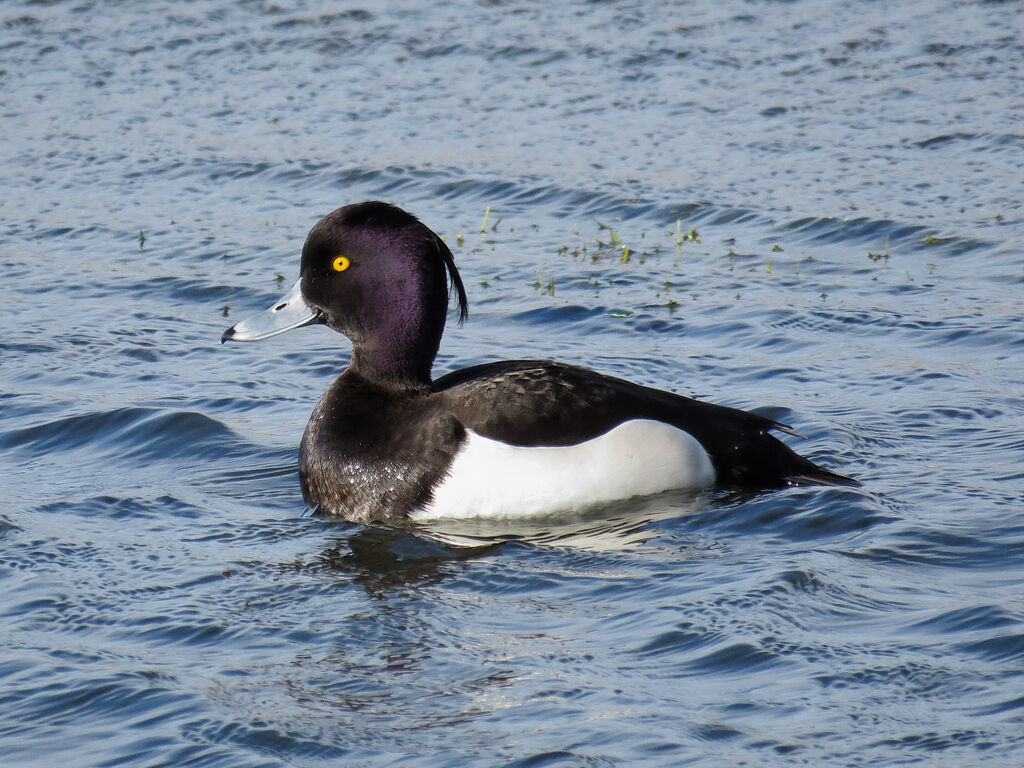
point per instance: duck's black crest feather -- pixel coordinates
(455, 278)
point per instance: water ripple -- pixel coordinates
(140, 433)
(840, 250)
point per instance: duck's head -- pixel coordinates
(376, 274)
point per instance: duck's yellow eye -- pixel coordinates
(340, 263)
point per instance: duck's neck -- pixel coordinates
(388, 370)
(398, 346)
(401, 357)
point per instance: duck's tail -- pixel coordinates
(816, 475)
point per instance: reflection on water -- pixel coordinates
(625, 524)
(421, 553)
(380, 558)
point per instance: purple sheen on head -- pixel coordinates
(392, 301)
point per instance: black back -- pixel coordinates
(544, 403)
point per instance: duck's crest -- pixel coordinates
(454, 278)
(388, 215)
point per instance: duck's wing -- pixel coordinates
(540, 403)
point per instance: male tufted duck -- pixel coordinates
(518, 437)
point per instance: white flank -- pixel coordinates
(489, 478)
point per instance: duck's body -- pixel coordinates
(507, 438)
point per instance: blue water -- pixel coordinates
(822, 208)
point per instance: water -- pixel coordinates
(853, 176)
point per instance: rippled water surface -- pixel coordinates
(816, 211)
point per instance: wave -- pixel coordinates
(137, 433)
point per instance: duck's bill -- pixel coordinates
(290, 311)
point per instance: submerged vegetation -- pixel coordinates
(677, 260)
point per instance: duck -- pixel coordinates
(388, 443)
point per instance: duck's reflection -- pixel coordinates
(382, 558)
